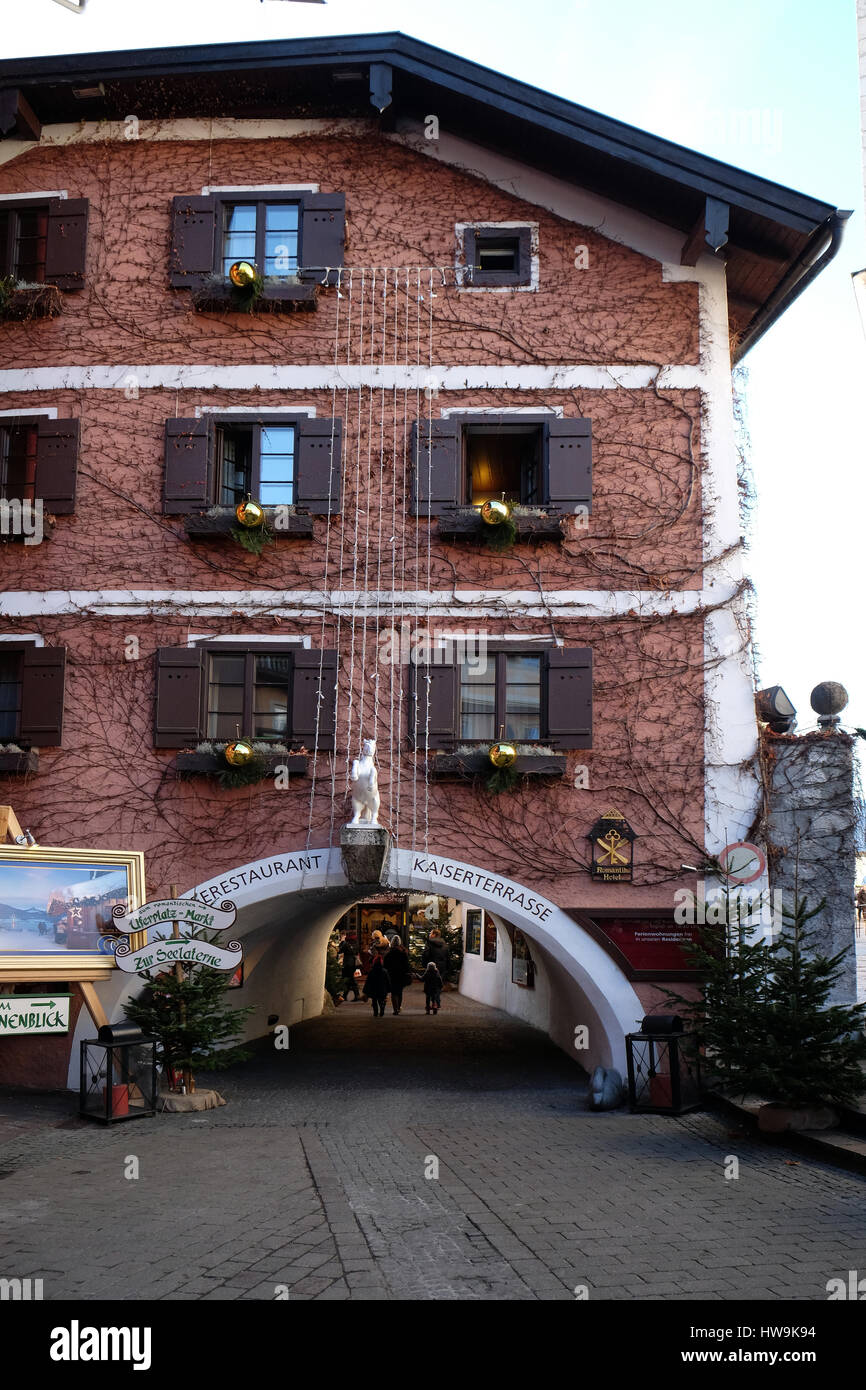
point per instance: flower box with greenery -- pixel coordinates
(525, 523)
(208, 759)
(219, 522)
(14, 759)
(765, 1025)
(21, 300)
(471, 762)
(270, 294)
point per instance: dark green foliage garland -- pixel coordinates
(500, 537)
(253, 538)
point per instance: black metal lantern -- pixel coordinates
(118, 1074)
(663, 1067)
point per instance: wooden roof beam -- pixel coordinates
(17, 116)
(709, 234)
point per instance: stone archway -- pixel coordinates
(289, 903)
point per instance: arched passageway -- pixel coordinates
(288, 905)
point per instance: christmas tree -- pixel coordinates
(733, 967)
(812, 1050)
(183, 1009)
(764, 1020)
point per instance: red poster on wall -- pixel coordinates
(650, 944)
(647, 945)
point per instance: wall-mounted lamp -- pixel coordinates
(774, 708)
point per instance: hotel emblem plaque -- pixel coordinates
(612, 840)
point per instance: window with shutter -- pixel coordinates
(66, 242)
(280, 460)
(179, 695)
(323, 238)
(57, 465)
(569, 697)
(524, 696)
(287, 237)
(42, 685)
(530, 461)
(193, 241)
(314, 695)
(433, 708)
(319, 466)
(272, 692)
(188, 483)
(39, 461)
(437, 466)
(569, 464)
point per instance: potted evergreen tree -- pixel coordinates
(765, 1024)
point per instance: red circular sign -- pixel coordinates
(742, 856)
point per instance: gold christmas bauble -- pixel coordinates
(495, 512)
(239, 752)
(503, 754)
(242, 274)
(249, 513)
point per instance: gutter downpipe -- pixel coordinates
(823, 243)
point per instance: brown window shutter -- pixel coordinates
(179, 685)
(437, 467)
(569, 464)
(306, 689)
(318, 469)
(193, 232)
(569, 697)
(323, 236)
(188, 478)
(66, 242)
(57, 465)
(42, 681)
(435, 692)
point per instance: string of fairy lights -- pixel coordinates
(384, 319)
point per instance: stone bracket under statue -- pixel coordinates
(366, 851)
(365, 844)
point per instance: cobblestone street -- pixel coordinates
(317, 1178)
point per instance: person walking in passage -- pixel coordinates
(861, 905)
(377, 987)
(397, 965)
(437, 951)
(432, 988)
(346, 952)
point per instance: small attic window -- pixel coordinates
(497, 257)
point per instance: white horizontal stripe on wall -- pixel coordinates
(261, 188)
(308, 410)
(324, 376)
(381, 604)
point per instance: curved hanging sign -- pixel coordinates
(182, 950)
(189, 914)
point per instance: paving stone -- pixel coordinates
(313, 1177)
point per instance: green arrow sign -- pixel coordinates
(20, 1014)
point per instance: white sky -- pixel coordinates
(768, 86)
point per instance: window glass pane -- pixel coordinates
(478, 701)
(498, 253)
(225, 709)
(239, 234)
(30, 242)
(236, 451)
(18, 462)
(502, 464)
(10, 693)
(281, 239)
(277, 465)
(271, 698)
(523, 697)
